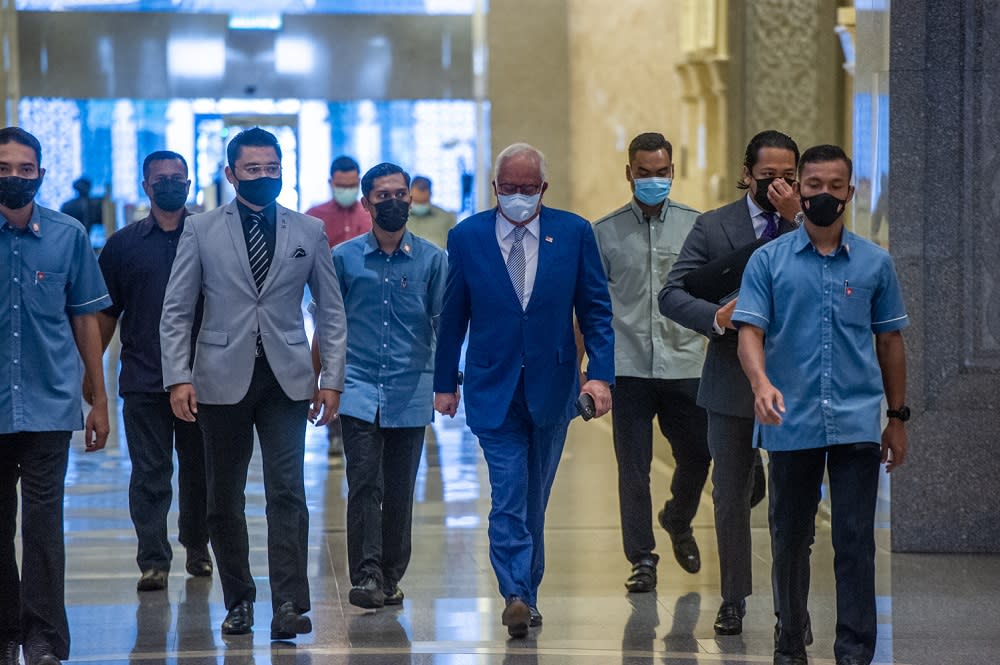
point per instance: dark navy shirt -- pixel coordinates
(52, 276)
(820, 314)
(136, 263)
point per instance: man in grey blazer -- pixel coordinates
(768, 174)
(253, 368)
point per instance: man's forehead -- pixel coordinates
(257, 154)
(391, 181)
(830, 169)
(167, 167)
(14, 153)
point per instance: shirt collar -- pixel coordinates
(506, 228)
(803, 241)
(755, 210)
(269, 212)
(405, 244)
(34, 223)
(149, 223)
(641, 216)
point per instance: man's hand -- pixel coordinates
(447, 403)
(97, 427)
(184, 401)
(324, 407)
(724, 317)
(784, 197)
(601, 393)
(768, 404)
(893, 444)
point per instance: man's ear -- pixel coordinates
(850, 193)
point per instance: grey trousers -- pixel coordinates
(730, 440)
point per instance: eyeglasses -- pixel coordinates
(507, 189)
(258, 170)
(384, 195)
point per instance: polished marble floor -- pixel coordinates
(933, 610)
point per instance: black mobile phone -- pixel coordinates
(585, 405)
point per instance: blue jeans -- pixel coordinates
(152, 432)
(381, 474)
(32, 603)
(796, 479)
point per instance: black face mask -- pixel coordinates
(823, 209)
(260, 192)
(17, 192)
(170, 195)
(391, 215)
(761, 196)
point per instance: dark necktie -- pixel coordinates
(260, 259)
(516, 263)
(770, 231)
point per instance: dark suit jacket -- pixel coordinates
(724, 387)
(502, 337)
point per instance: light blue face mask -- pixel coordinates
(652, 191)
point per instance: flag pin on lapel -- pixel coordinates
(548, 238)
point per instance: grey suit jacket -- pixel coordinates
(724, 387)
(212, 259)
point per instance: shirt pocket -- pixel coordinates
(409, 297)
(856, 306)
(45, 292)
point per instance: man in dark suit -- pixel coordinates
(517, 275)
(764, 213)
(252, 259)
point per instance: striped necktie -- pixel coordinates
(516, 263)
(260, 260)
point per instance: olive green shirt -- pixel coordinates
(433, 226)
(638, 254)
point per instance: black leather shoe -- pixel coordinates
(685, 548)
(535, 617)
(790, 659)
(729, 621)
(516, 616)
(393, 595)
(10, 653)
(807, 632)
(289, 622)
(40, 654)
(152, 580)
(367, 595)
(759, 484)
(239, 621)
(199, 562)
(643, 577)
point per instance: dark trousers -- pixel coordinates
(730, 440)
(228, 432)
(796, 479)
(152, 432)
(522, 458)
(33, 603)
(683, 423)
(381, 474)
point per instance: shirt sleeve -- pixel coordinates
(754, 303)
(86, 291)
(110, 268)
(888, 310)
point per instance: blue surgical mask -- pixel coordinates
(420, 209)
(519, 208)
(652, 191)
(345, 196)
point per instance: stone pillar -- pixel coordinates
(9, 71)
(944, 201)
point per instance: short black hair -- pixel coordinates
(769, 138)
(826, 153)
(161, 156)
(344, 164)
(380, 171)
(255, 136)
(649, 142)
(82, 185)
(18, 135)
(421, 181)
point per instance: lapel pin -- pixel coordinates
(548, 238)
(406, 248)
(34, 227)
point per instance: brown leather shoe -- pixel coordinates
(516, 616)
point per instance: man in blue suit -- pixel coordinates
(517, 275)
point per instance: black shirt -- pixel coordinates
(136, 263)
(267, 227)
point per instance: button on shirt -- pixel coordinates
(819, 314)
(136, 263)
(505, 238)
(638, 253)
(392, 303)
(52, 276)
(342, 223)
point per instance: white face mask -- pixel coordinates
(345, 196)
(518, 207)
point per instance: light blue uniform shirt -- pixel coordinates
(52, 276)
(392, 303)
(819, 314)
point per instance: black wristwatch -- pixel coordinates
(902, 413)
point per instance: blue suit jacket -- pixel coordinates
(480, 297)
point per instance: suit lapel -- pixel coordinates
(738, 226)
(546, 229)
(281, 232)
(235, 226)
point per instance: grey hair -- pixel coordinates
(516, 149)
